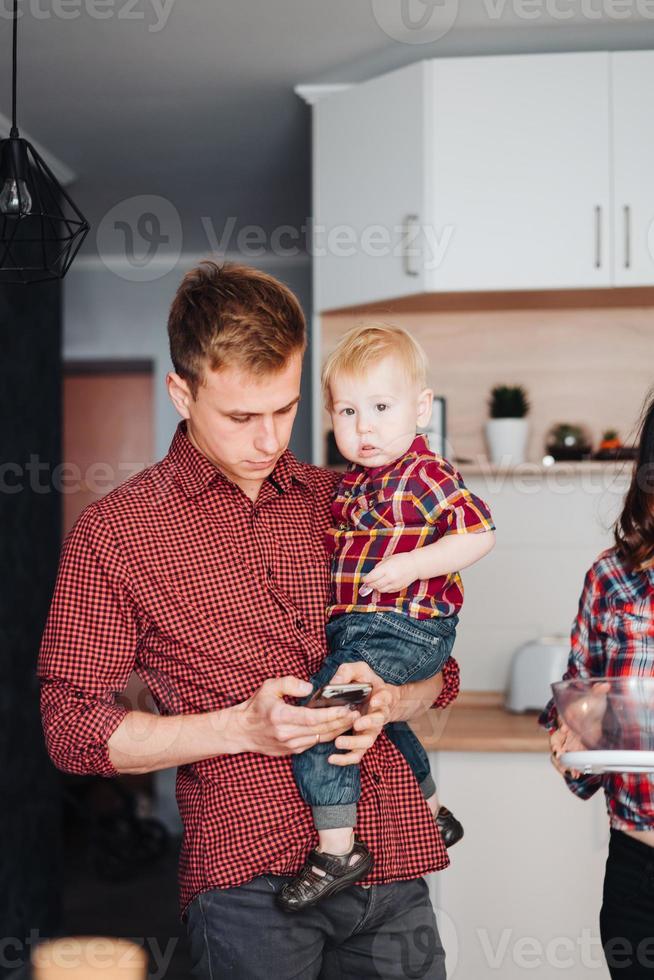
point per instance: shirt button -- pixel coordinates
(300, 624)
(342, 527)
(270, 573)
(376, 777)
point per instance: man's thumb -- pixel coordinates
(294, 687)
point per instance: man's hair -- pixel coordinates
(364, 346)
(232, 316)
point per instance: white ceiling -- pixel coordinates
(193, 99)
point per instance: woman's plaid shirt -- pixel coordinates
(613, 636)
(386, 510)
(179, 576)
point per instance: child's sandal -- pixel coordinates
(450, 828)
(308, 887)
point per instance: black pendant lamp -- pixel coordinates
(41, 229)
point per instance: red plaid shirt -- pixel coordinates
(179, 576)
(612, 636)
(386, 510)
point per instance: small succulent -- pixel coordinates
(508, 402)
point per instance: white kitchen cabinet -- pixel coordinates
(523, 892)
(519, 178)
(464, 174)
(633, 166)
(369, 160)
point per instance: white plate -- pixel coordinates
(609, 760)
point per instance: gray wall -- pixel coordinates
(107, 316)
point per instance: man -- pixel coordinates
(206, 574)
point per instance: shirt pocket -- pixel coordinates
(627, 632)
(373, 510)
(399, 651)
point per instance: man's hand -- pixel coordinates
(391, 575)
(378, 711)
(265, 723)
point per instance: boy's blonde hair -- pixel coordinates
(367, 344)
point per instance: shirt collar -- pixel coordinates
(419, 446)
(194, 472)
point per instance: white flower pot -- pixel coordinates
(507, 441)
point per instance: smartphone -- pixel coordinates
(335, 695)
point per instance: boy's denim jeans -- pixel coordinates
(399, 649)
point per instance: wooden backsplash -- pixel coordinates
(593, 366)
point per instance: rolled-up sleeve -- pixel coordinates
(88, 649)
(451, 683)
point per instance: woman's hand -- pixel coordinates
(563, 740)
(265, 723)
(378, 711)
(587, 716)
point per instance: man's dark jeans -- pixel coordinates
(399, 649)
(385, 931)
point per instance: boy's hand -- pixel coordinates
(391, 575)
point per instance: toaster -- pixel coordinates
(534, 667)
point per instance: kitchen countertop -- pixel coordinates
(478, 722)
(554, 470)
(483, 467)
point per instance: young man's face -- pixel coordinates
(375, 416)
(240, 422)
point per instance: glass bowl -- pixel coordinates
(608, 713)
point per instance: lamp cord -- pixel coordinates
(14, 128)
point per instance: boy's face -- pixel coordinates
(242, 423)
(375, 416)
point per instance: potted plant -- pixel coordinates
(567, 441)
(507, 428)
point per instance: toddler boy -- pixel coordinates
(404, 525)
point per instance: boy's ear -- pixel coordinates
(425, 402)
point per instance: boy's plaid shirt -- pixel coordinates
(387, 510)
(613, 636)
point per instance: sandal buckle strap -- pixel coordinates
(338, 864)
(333, 864)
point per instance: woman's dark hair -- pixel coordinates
(634, 529)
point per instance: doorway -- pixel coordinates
(108, 429)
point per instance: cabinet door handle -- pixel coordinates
(598, 236)
(627, 236)
(411, 231)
